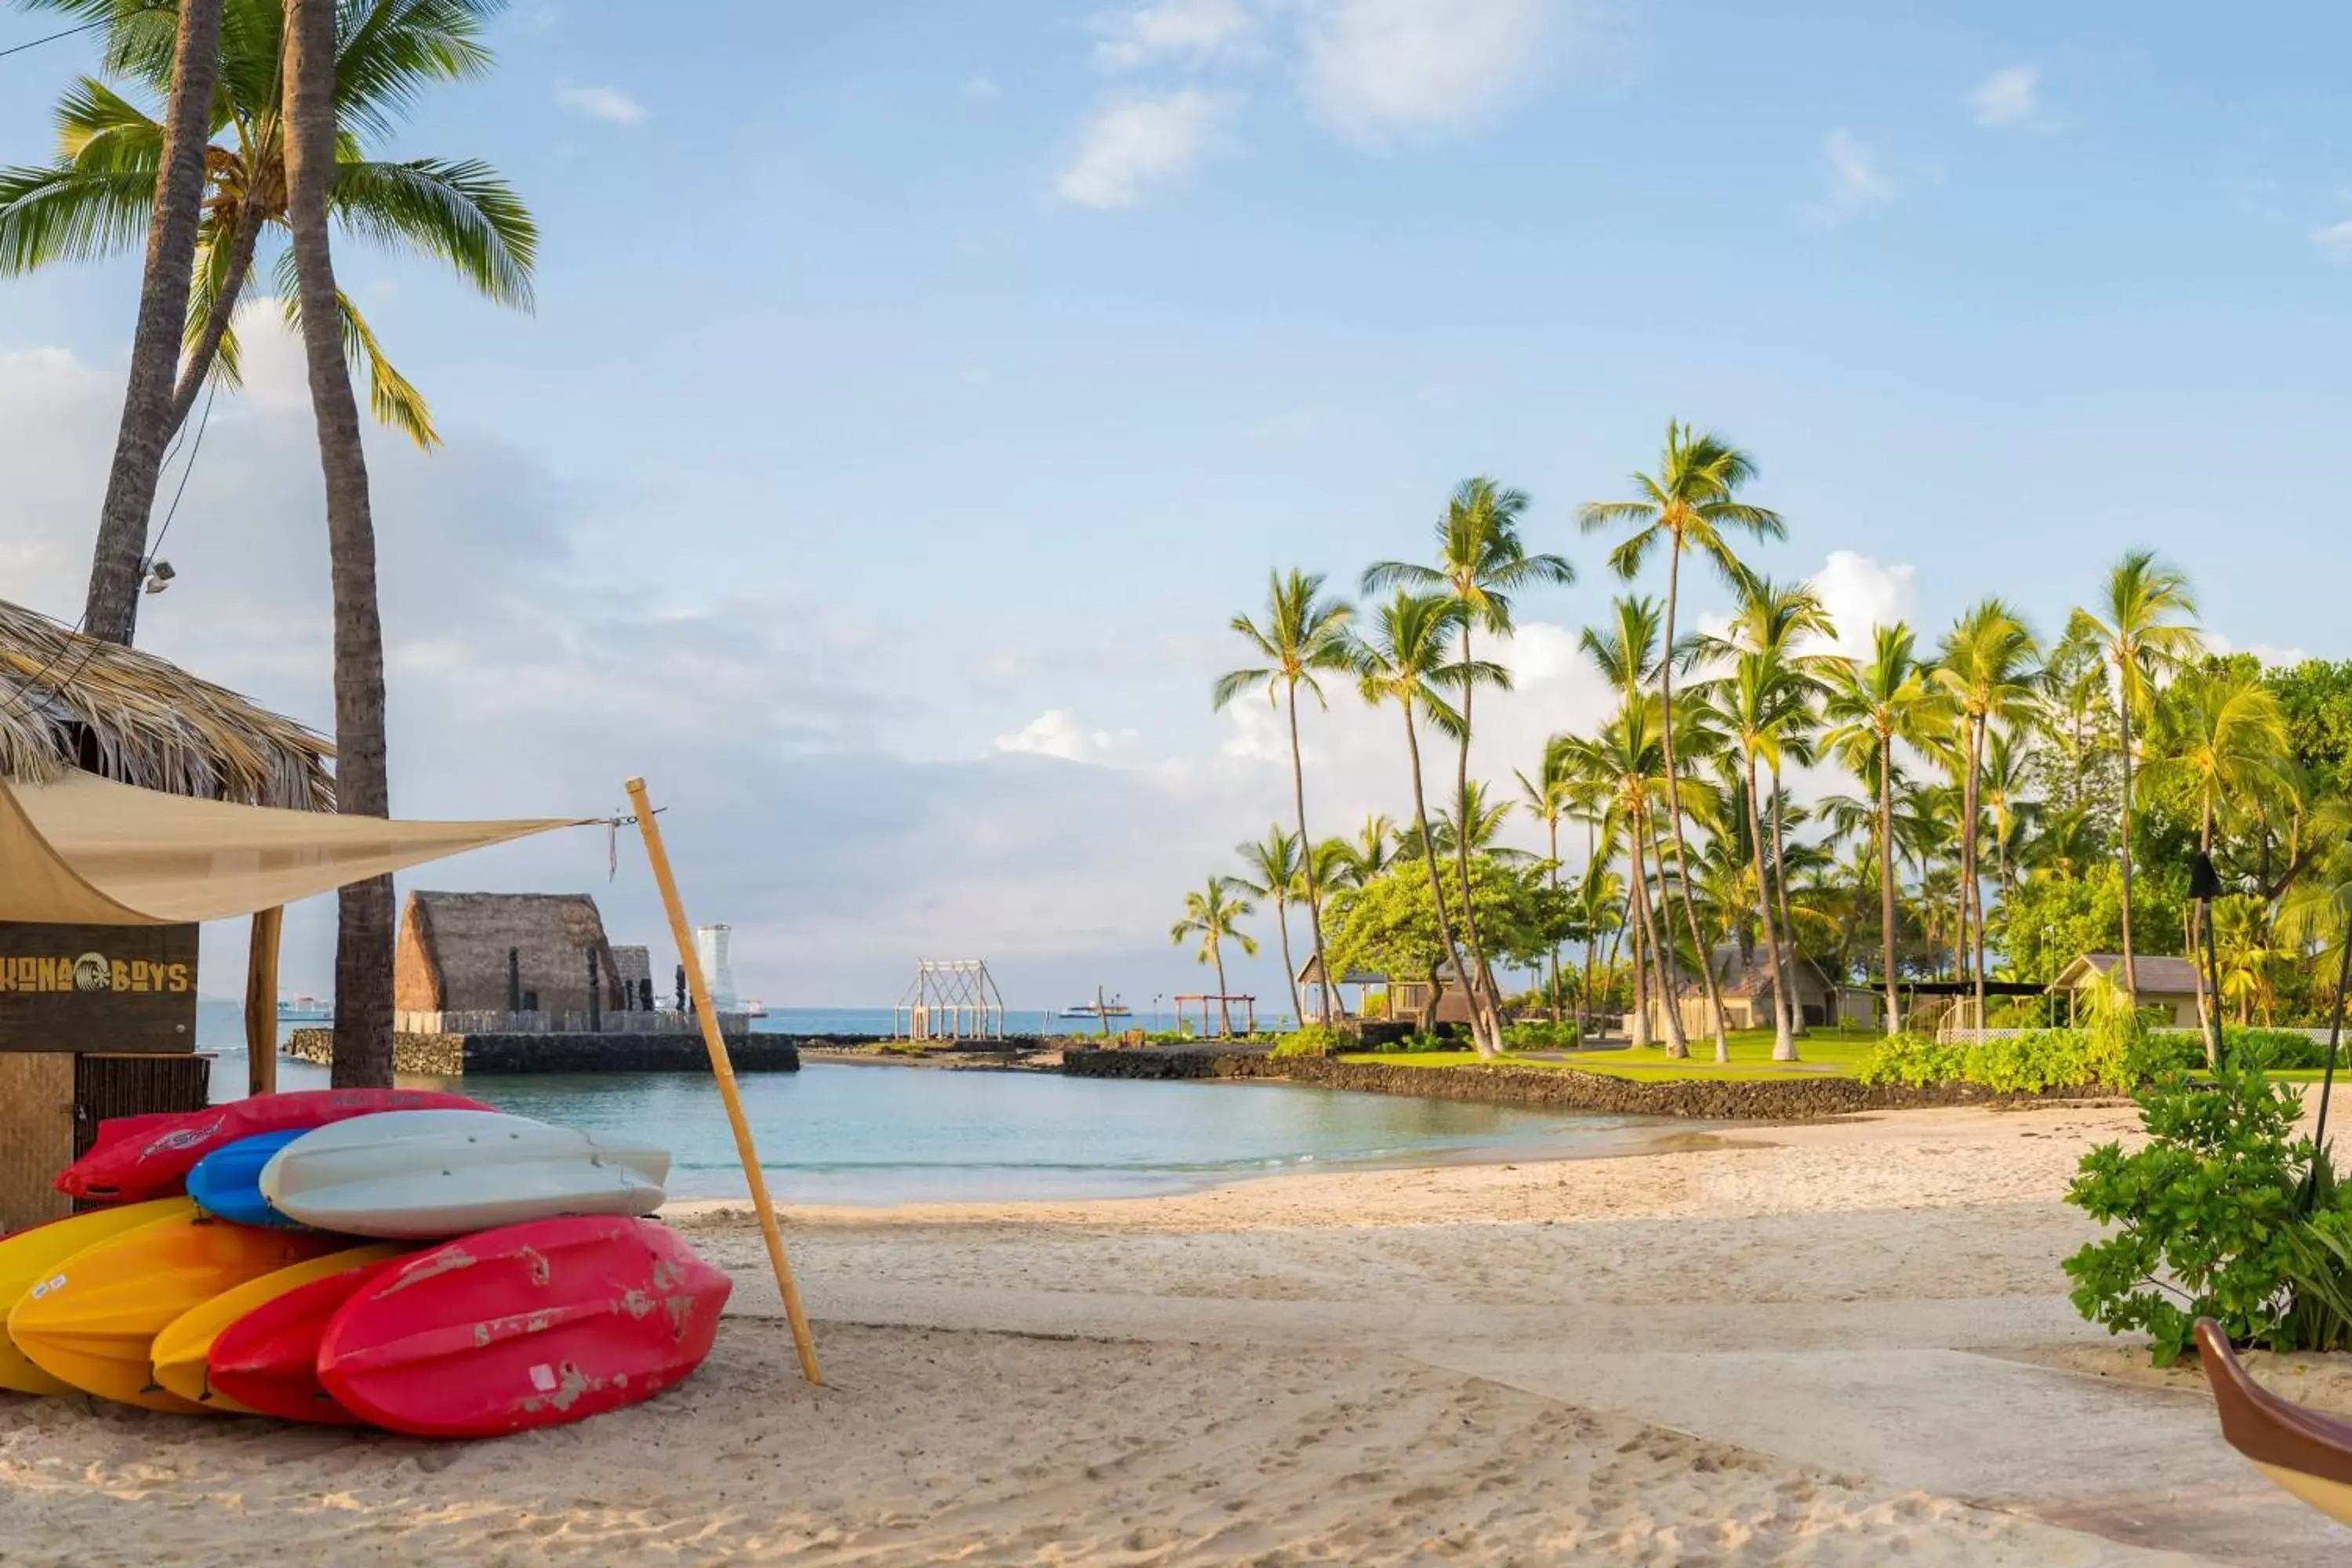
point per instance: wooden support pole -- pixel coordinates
(261, 1002)
(723, 1070)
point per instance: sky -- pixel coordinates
(913, 392)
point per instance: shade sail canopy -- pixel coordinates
(84, 850)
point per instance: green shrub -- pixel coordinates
(2104, 1055)
(2207, 1222)
(1915, 1060)
(1534, 1034)
(2271, 1048)
(1313, 1040)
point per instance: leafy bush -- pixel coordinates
(2207, 1222)
(1412, 1043)
(2272, 1049)
(1534, 1036)
(2104, 1055)
(1312, 1041)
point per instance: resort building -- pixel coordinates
(1407, 1000)
(1748, 980)
(2164, 984)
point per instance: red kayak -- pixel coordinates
(140, 1157)
(528, 1325)
(267, 1361)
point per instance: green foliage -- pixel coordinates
(2316, 696)
(1418, 1045)
(1390, 924)
(2206, 1224)
(1533, 1035)
(1313, 1040)
(2047, 921)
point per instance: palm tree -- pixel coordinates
(1277, 869)
(1215, 915)
(1551, 796)
(1874, 704)
(1305, 634)
(1689, 502)
(2222, 735)
(2003, 781)
(191, 67)
(1369, 852)
(1988, 668)
(2146, 629)
(1481, 563)
(362, 1054)
(462, 213)
(1403, 661)
(1627, 656)
(1764, 706)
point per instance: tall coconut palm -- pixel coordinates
(1481, 563)
(1214, 915)
(1873, 705)
(363, 1053)
(1276, 869)
(2221, 736)
(2003, 784)
(1304, 636)
(1989, 669)
(1627, 656)
(1628, 755)
(1403, 658)
(1764, 706)
(2145, 626)
(459, 213)
(1551, 796)
(1691, 503)
(1370, 851)
(190, 65)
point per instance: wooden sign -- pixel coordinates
(98, 988)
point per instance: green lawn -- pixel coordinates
(1825, 1053)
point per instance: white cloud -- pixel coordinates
(1370, 67)
(2271, 654)
(1193, 32)
(1132, 145)
(606, 103)
(2009, 97)
(1861, 595)
(1057, 732)
(1856, 179)
(2334, 241)
(979, 89)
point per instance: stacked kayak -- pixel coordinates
(407, 1260)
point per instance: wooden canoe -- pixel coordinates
(2308, 1453)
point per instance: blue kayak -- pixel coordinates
(226, 1183)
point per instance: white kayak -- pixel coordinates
(420, 1174)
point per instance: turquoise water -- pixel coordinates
(836, 1133)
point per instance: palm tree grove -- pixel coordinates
(1785, 829)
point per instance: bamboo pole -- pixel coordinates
(261, 1002)
(723, 1070)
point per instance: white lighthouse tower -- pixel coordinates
(710, 949)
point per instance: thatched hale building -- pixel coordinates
(453, 954)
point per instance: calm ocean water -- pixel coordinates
(883, 1134)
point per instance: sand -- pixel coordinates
(1843, 1343)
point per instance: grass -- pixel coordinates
(1825, 1053)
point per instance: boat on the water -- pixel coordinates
(305, 1010)
(2308, 1453)
(1090, 1010)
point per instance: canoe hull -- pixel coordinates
(529, 1326)
(430, 1174)
(2305, 1451)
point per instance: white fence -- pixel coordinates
(483, 1022)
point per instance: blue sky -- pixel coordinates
(914, 390)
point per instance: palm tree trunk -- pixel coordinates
(363, 1053)
(1784, 1037)
(110, 611)
(1675, 807)
(1437, 889)
(1224, 1008)
(1588, 1014)
(242, 245)
(1637, 893)
(2122, 846)
(1485, 1007)
(1313, 889)
(1797, 1024)
(1670, 1002)
(1281, 924)
(1886, 875)
(1972, 896)
(1551, 828)
(2209, 1007)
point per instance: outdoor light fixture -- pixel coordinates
(2204, 887)
(159, 575)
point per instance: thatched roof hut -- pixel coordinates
(453, 948)
(71, 701)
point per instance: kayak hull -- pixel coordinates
(267, 1361)
(226, 1183)
(180, 1351)
(528, 1326)
(432, 1174)
(152, 1155)
(30, 1257)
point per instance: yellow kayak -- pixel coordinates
(29, 1258)
(93, 1322)
(180, 1351)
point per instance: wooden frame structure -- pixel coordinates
(1224, 1000)
(950, 999)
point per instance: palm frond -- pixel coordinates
(462, 213)
(70, 214)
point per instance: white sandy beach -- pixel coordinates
(1844, 1343)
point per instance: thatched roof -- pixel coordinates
(71, 701)
(1750, 973)
(633, 964)
(452, 953)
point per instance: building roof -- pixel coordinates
(69, 701)
(1751, 974)
(452, 953)
(2150, 972)
(1311, 973)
